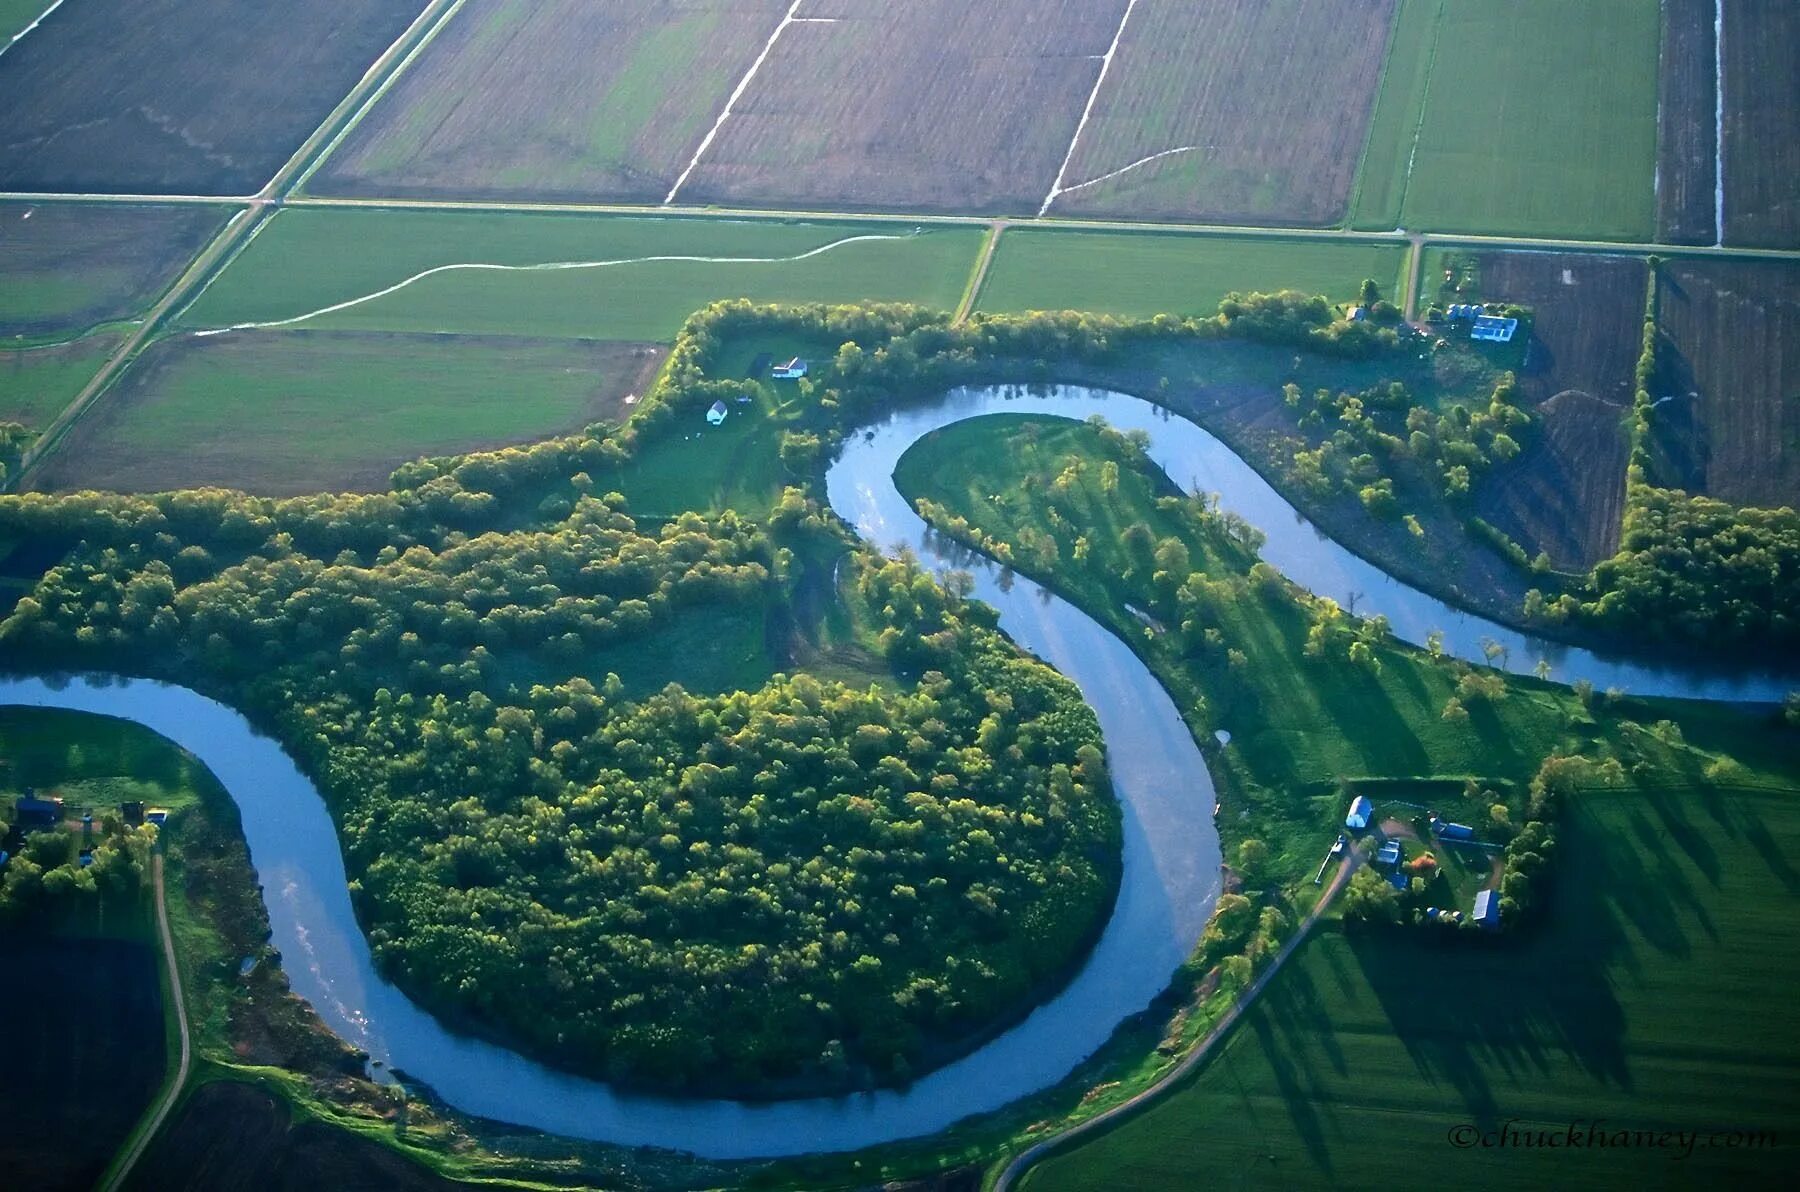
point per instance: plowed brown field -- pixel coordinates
(1731, 373)
(554, 99)
(1686, 135)
(1267, 101)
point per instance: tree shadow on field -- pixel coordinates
(1292, 1026)
(1478, 1014)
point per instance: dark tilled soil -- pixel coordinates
(1729, 369)
(84, 1054)
(230, 1136)
(1565, 494)
(180, 96)
(1762, 123)
(1685, 155)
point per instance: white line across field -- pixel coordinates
(547, 267)
(1719, 122)
(1142, 161)
(13, 40)
(1106, 61)
(736, 94)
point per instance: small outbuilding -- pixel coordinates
(1445, 830)
(1493, 329)
(792, 370)
(1399, 881)
(132, 812)
(1361, 811)
(1388, 853)
(31, 813)
(156, 815)
(1487, 909)
(716, 414)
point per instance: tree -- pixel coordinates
(1370, 899)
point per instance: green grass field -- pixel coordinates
(309, 259)
(36, 383)
(1382, 176)
(1535, 121)
(1300, 725)
(281, 412)
(1135, 275)
(1653, 999)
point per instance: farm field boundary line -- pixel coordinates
(547, 267)
(425, 38)
(223, 246)
(1197, 1055)
(172, 1091)
(731, 101)
(1362, 159)
(978, 276)
(1106, 61)
(1055, 223)
(36, 21)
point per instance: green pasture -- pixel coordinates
(1301, 726)
(93, 761)
(36, 383)
(286, 412)
(1536, 121)
(1139, 274)
(308, 259)
(1382, 176)
(1651, 999)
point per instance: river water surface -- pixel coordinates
(1169, 882)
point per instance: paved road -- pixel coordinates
(1040, 1150)
(175, 1085)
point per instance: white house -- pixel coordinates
(793, 370)
(716, 414)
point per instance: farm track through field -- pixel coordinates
(11, 41)
(172, 1092)
(1106, 61)
(737, 94)
(1202, 1049)
(549, 267)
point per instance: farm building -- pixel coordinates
(1388, 853)
(132, 812)
(716, 414)
(793, 370)
(1445, 830)
(1399, 881)
(1493, 329)
(1487, 908)
(1360, 812)
(156, 815)
(31, 813)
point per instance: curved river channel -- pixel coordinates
(1171, 852)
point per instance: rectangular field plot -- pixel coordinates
(930, 105)
(1138, 274)
(554, 99)
(36, 383)
(302, 411)
(180, 96)
(1565, 493)
(1686, 141)
(1762, 123)
(1727, 422)
(65, 267)
(566, 275)
(1643, 1000)
(1535, 119)
(1250, 111)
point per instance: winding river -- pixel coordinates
(1171, 854)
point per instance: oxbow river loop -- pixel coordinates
(1170, 877)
